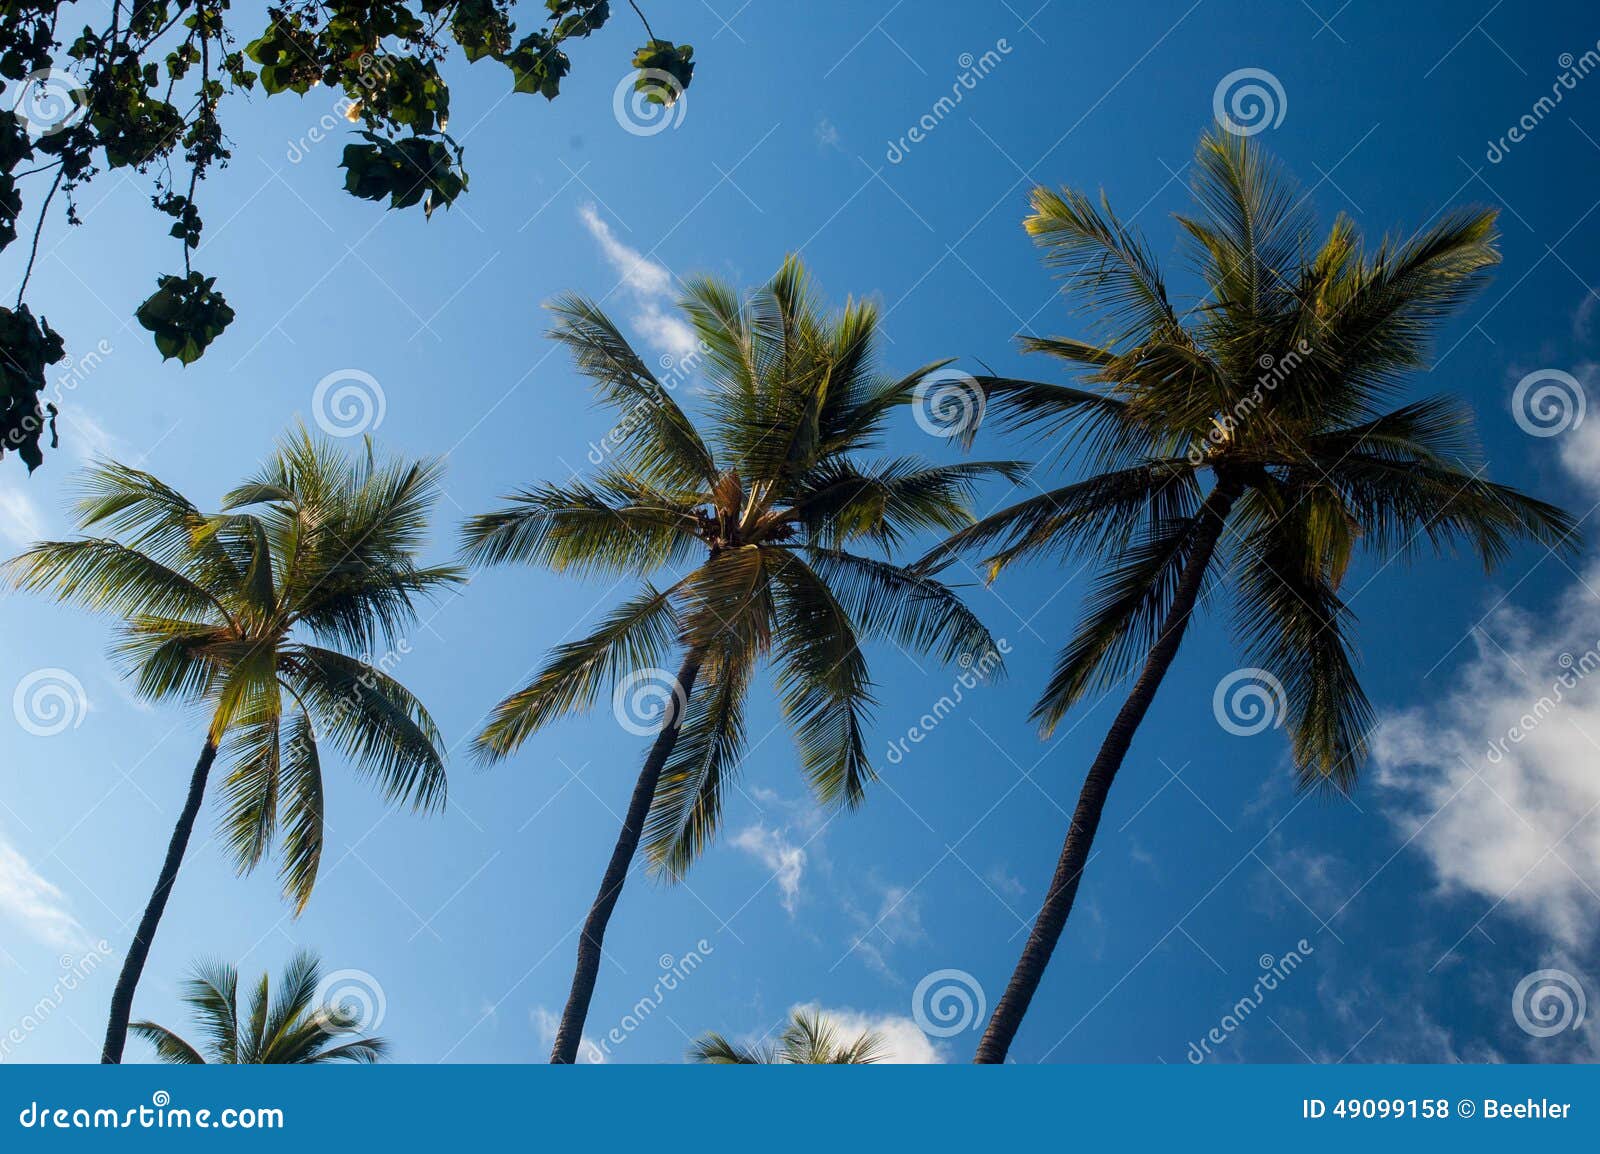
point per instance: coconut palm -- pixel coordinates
(808, 1040)
(290, 1029)
(1250, 446)
(249, 614)
(752, 523)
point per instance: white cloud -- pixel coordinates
(903, 1041)
(898, 921)
(89, 439)
(20, 521)
(649, 284)
(786, 860)
(549, 1023)
(33, 902)
(1497, 780)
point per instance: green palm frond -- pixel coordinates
(603, 528)
(809, 1038)
(1275, 389)
(384, 730)
(289, 1028)
(654, 436)
(169, 1046)
(633, 636)
(688, 802)
(318, 545)
(750, 513)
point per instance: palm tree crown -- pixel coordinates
(753, 523)
(808, 1040)
(1264, 416)
(230, 611)
(290, 1029)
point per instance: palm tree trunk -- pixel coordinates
(1052, 918)
(570, 1033)
(139, 950)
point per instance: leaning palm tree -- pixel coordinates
(246, 613)
(1250, 445)
(291, 1029)
(808, 1040)
(752, 524)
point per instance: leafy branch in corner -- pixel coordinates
(147, 91)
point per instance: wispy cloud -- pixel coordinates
(898, 921)
(650, 286)
(547, 1023)
(777, 853)
(21, 523)
(1496, 779)
(35, 903)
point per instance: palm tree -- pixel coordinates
(247, 614)
(808, 1040)
(1249, 445)
(752, 523)
(293, 1029)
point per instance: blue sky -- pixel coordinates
(1423, 901)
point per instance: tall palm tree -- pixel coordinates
(249, 614)
(808, 1040)
(291, 1029)
(751, 522)
(1249, 445)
